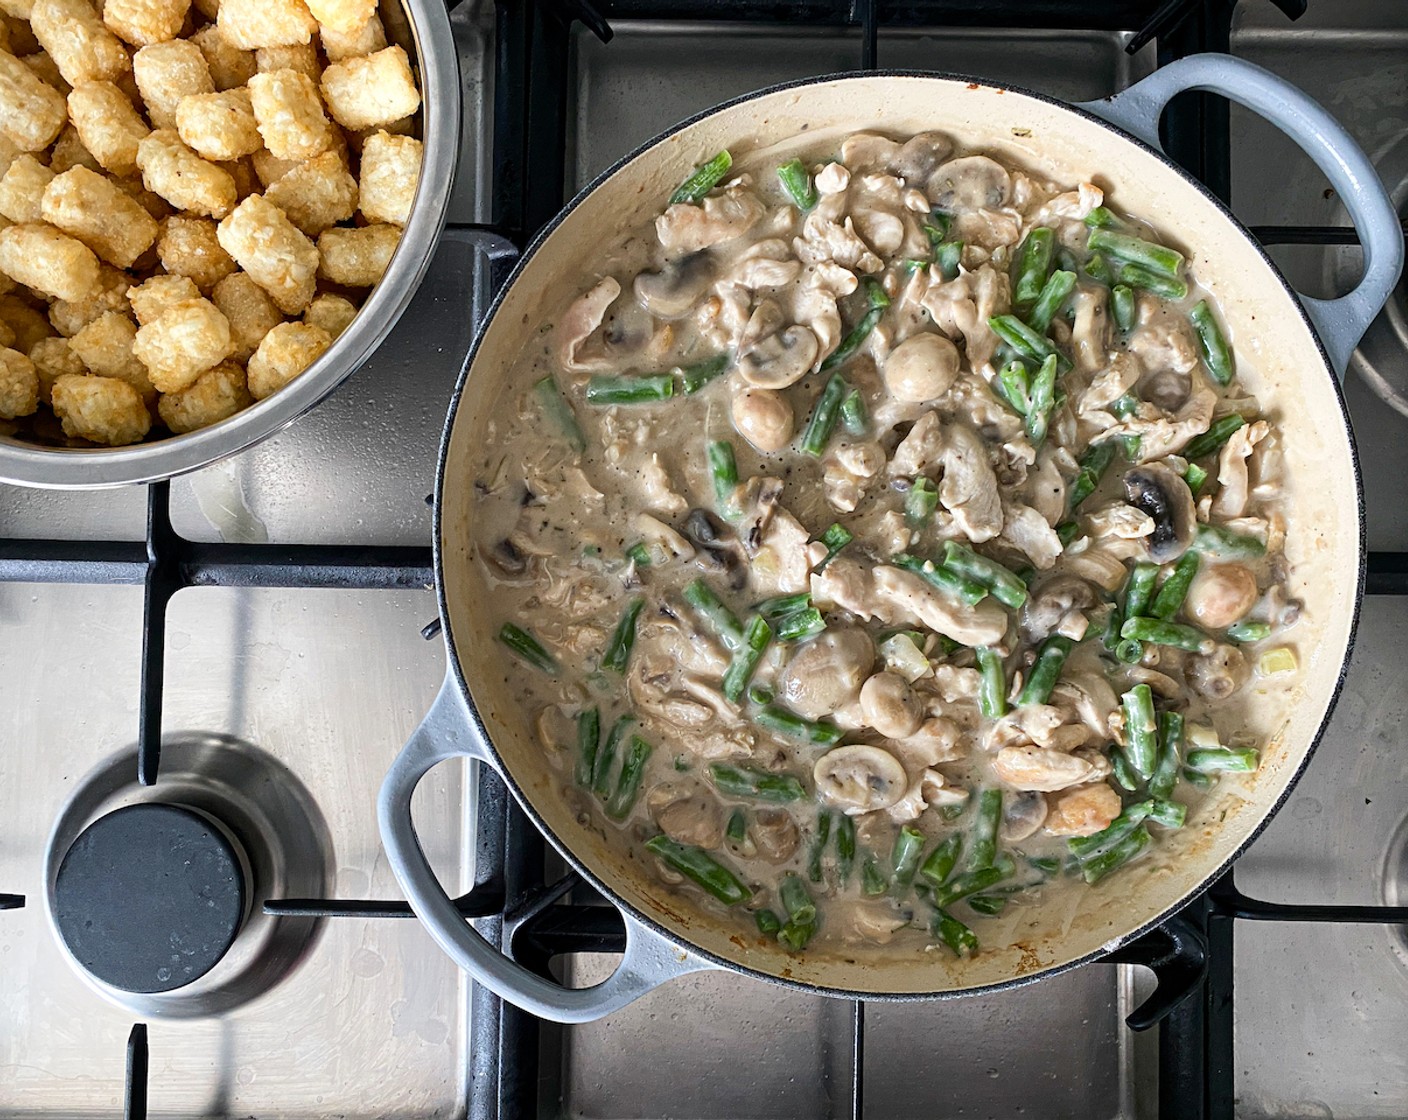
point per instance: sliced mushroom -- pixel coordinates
(889, 705)
(764, 418)
(775, 834)
(717, 551)
(970, 183)
(672, 292)
(1218, 674)
(1022, 816)
(1166, 498)
(1167, 389)
(859, 779)
(826, 672)
(507, 558)
(766, 320)
(921, 368)
(920, 155)
(1052, 601)
(1220, 595)
(780, 360)
(697, 819)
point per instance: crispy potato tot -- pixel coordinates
(372, 90)
(46, 70)
(271, 249)
(219, 126)
(242, 172)
(156, 295)
(390, 171)
(19, 385)
(333, 313)
(345, 16)
(54, 358)
(7, 334)
(77, 41)
(316, 194)
(32, 112)
(356, 257)
(210, 9)
(17, 9)
(249, 309)
(100, 214)
(144, 22)
(189, 247)
(71, 316)
(27, 324)
(270, 168)
(43, 258)
(215, 395)
(229, 65)
(22, 40)
(153, 204)
(364, 40)
(168, 72)
(182, 343)
(286, 351)
(9, 152)
(105, 346)
(302, 57)
(101, 410)
(290, 114)
(22, 190)
(69, 152)
(250, 24)
(108, 125)
(172, 170)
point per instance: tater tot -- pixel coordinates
(390, 170)
(229, 66)
(345, 16)
(43, 258)
(302, 57)
(210, 9)
(19, 385)
(271, 249)
(214, 396)
(22, 40)
(168, 72)
(333, 313)
(370, 37)
(290, 114)
(46, 70)
(107, 124)
(7, 334)
(316, 194)
(286, 351)
(371, 90)
(100, 214)
(19, 9)
(250, 311)
(76, 39)
(32, 112)
(144, 22)
(242, 172)
(270, 168)
(28, 325)
(54, 358)
(250, 24)
(69, 152)
(101, 410)
(189, 247)
(22, 190)
(182, 343)
(153, 204)
(188, 182)
(106, 346)
(356, 257)
(71, 316)
(155, 295)
(219, 126)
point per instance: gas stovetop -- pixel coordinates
(225, 666)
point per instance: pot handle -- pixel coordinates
(449, 730)
(1340, 322)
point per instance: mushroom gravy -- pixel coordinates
(884, 541)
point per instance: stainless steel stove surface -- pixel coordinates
(283, 707)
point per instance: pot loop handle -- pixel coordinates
(450, 730)
(1340, 322)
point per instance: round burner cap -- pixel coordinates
(149, 897)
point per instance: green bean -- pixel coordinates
(1140, 728)
(948, 255)
(1046, 670)
(982, 849)
(701, 597)
(904, 856)
(1027, 343)
(939, 864)
(1099, 866)
(701, 868)
(695, 377)
(970, 882)
(1004, 584)
(1125, 406)
(623, 638)
(628, 783)
(1053, 295)
(556, 409)
(768, 923)
(1211, 440)
(989, 904)
(1122, 306)
(992, 683)
(1245, 631)
(528, 648)
(823, 834)
(1227, 545)
(606, 755)
(1047, 865)
(1135, 251)
(1162, 633)
(947, 581)
(953, 933)
(639, 555)
(1195, 476)
(1084, 847)
(845, 846)
(607, 390)
(1066, 532)
(1199, 780)
(745, 661)
(1216, 354)
(1042, 401)
(796, 180)
(1216, 760)
(759, 694)
(783, 722)
(853, 414)
(737, 830)
(1174, 590)
(1129, 652)
(705, 178)
(1139, 589)
(1033, 266)
(723, 469)
(796, 899)
(872, 879)
(1170, 814)
(1122, 771)
(937, 227)
(588, 739)
(824, 417)
(876, 301)
(780, 605)
(921, 502)
(1136, 276)
(836, 537)
(1102, 217)
(1093, 465)
(760, 785)
(800, 625)
(1099, 270)
(1111, 636)
(1165, 775)
(1014, 379)
(795, 935)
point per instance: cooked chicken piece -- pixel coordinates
(1091, 330)
(1045, 487)
(580, 322)
(916, 599)
(826, 672)
(1086, 695)
(1083, 811)
(961, 309)
(921, 448)
(938, 740)
(825, 239)
(1051, 603)
(687, 228)
(859, 921)
(780, 566)
(1163, 339)
(1233, 495)
(1036, 768)
(1027, 530)
(1097, 565)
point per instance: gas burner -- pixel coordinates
(155, 892)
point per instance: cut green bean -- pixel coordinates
(1042, 401)
(796, 899)
(1169, 814)
(701, 597)
(1006, 586)
(1099, 270)
(1216, 760)
(1165, 775)
(1066, 532)
(1053, 295)
(1125, 406)
(795, 935)
(988, 904)
(1217, 356)
(824, 416)
(1033, 266)
(904, 856)
(876, 302)
(759, 694)
(853, 415)
(1025, 342)
(800, 625)
(1198, 780)
(953, 933)
(872, 879)
(921, 502)
(737, 830)
(1174, 590)
(1162, 633)
(1047, 865)
(1085, 847)
(723, 469)
(992, 683)
(946, 580)
(818, 849)
(588, 740)
(845, 831)
(937, 227)
(768, 923)
(1129, 652)
(559, 412)
(1102, 217)
(745, 661)
(1140, 728)
(969, 882)
(783, 722)
(1212, 440)
(623, 638)
(1139, 589)
(609, 390)
(1015, 381)
(1246, 631)
(1122, 771)
(639, 555)
(1195, 476)
(939, 864)
(1122, 306)
(759, 785)
(699, 867)
(982, 847)
(780, 605)
(1227, 545)
(628, 783)
(1096, 868)
(704, 179)
(1093, 465)
(948, 256)
(796, 180)
(1046, 670)
(695, 377)
(606, 755)
(528, 648)
(1136, 276)
(1136, 252)
(836, 537)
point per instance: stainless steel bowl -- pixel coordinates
(422, 27)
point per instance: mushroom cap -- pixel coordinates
(672, 292)
(1165, 497)
(921, 368)
(780, 360)
(764, 418)
(859, 779)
